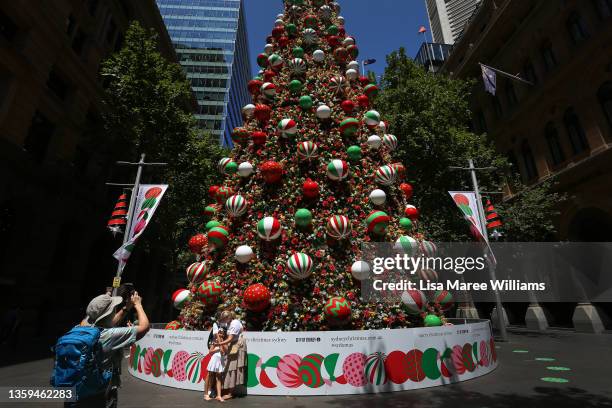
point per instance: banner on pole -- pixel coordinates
(148, 199)
(468, 204)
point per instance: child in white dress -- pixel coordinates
(216, 365)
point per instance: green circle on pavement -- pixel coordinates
(554, 380)
(544, 359)
(552, 368)
(520, 351)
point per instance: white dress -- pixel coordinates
(217, 363)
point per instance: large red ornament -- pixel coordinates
(412, 212)
(257, 297)
(341, 54)
(278, 32)
(407, 190)
(269, 75)
(197, 243)
(271, 171)
(283, 41)
(333, 41)
(310, 188)
(347, 106)
(254, 86)
(341, 31)
(259, 138)
(223, 193)
(212, 191)
(263, 112)
(363, 101)
(240, 135)
(364, 80)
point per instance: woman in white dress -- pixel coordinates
(216, 365)
(234, 374)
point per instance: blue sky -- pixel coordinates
(380, 26)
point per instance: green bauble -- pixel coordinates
(212, 224)
(298, 52)
(432, 321)
(303, 217)
(332, 30)
(231, 168)
(291, 29)
(306, 102)
(354, 152)
(406, 223)
(295, 86)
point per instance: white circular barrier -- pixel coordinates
(327, 363)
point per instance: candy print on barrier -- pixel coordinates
(326, 363)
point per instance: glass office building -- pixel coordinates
(210, 39)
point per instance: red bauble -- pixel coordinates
(283, 41)
(347, 106)
(364, 80)
(278, 32)
(212, 191)
(407, 190)
(363, 101)
(333, 41)
(254, 86)
(341, 54)
(310, 188)
(341, 31)
(223, 193)
(257, 297)
(269, 75)
(197, 243)
(271, 171)
(412, 212)
(259, 138)
(263, 112)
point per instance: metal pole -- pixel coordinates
(483, 225)
(515, 77)
(130, 216)
(363, 68)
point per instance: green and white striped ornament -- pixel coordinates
(349, 126)
(377, 222)
(338, 227)
(309, 36)
(275, 61)
(300, 266)
(407, 245)
(307, 150)
(371, 118)
(338, 170)
(287, 127)
(236, 205)
(269, 228)
(386, 175)
(390, 142)
(297, 66)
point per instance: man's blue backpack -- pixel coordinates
(79, 362)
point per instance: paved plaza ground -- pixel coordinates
(579, 366)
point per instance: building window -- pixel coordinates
(576, 27)
(57, 84)
(575, 131)
(548, 56)
(39, 136)
(529, 73)
(511, 94)
(554, 146)
(604, 94)
(8, 28)
(531, 171)
(604, 8)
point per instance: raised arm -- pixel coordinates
(143, 320)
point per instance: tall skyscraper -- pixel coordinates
(210, 39)
(447, 18)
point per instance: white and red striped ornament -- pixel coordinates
(390, 142)
(297, 66)
(268, 89)
(338, 170)
(275, 61)
(196, 272)
(309, 36)
(428, 248)
(300, 266)
(180, 297)
(386, 175)
(338, 227)
(269, 228)
(415, 301)
(287, 127)
(308, 150)
(407, 245)
(236, 205)
(337, 83)
(223, 165)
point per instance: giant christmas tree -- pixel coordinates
(311, 178)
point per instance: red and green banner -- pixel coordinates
(468, 204)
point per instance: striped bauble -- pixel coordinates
(444, 299)
(218, 236)
(386, 175)
(407, 245)
(299, 266)
(390, 142)
(297, 66)
(307, 150)
(428, 248)
(269, 228)
(275, 61)
(349, 126)
(196, 272)
(287, 127)
(371, 118)
(415, 301)
(338, 227)
(236, 205)
(377, 222)
(337, 170)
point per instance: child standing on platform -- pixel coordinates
(216, 366)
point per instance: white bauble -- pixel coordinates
(348, 41)
(268, 49)
(382, 127)
(245, 169)
(340, 19)
(360, 270)
(353, 65)
(280, 16)
(374, 142)
(279, 22)
(318, 56)
(378, 197)
(352, 74)
(244, 254)
(323, 112)
(249, 110)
